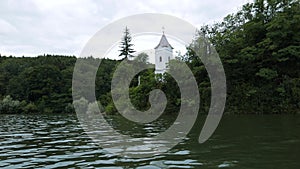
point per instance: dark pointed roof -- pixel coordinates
(163, 42)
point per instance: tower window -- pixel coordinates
(160, 59)
(169, 58)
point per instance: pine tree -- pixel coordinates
(126, 46)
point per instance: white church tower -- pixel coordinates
(163, 54)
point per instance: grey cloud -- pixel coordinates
(33, 27)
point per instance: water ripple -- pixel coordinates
(58, 141)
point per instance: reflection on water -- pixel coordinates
(58, 141)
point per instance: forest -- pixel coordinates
(259, 47)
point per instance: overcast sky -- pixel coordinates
(35, 27)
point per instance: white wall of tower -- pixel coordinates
(162, 57)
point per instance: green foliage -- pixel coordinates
(81, 105)
(93, 108)
(44, 83)
(8, 105)
(259, 48)
(30, 108)
(142, 57)
(267, 73)
(110, 108)
(126, 45)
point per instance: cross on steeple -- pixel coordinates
(163, 29)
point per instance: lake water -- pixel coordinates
(58, 141)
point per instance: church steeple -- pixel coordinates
(163, 42)
(163, 54)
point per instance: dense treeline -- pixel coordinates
(40, 84)
(43, 83)
(259, 47)
(260, 50)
